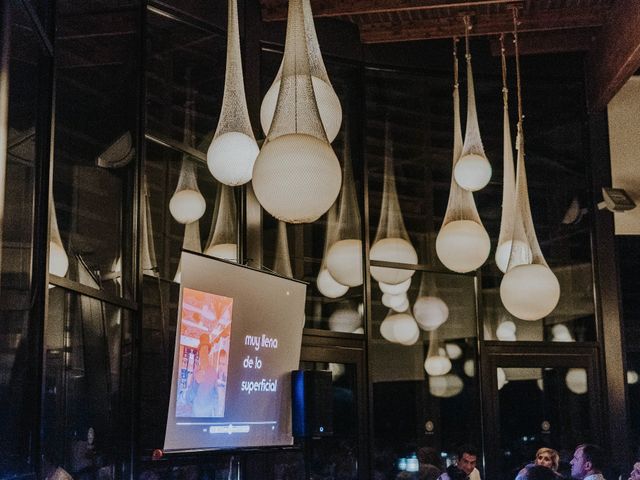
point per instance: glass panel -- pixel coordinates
(16, 244)
(95, 151)
(541, 407)
(416, 410)
(86, 373)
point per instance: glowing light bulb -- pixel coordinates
(187, 206)
(463, 245)
(472, 172)
(530, 292)
(231, 157)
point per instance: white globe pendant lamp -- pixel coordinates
(506, 331)
(576, 380)
(191, 241)
(429, 310)
(345, 319)
(392, 243)
(462, 244)
(395, 289)
(454, 351)
(222, 242)
(437, 361)
(445, 386)
(58, 258)
(187, 203)
(297, 176)
(528, 291)
(399, 328)
(501, 377)
(344, 258)
(233, 150)
(473, 170)
(327, 285)
(328, 102)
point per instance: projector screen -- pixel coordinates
(238, 338)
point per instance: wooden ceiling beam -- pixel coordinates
(483, 25)
(560, 41)
(615, 55)
(276, 10)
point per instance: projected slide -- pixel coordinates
(205, 331)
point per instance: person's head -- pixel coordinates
(467, 458)
(548, 457)
(587, 460)
(540, 472)
(430, 456)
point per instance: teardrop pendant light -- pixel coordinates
(392, 242)
(222, 242)
(58, 259)
(473, 170)
(328, 102)
(327, 285)
(400, 328)
(429, 310)
(233, 150)
(462, 244)
(344, 258)
(505, 244)
(528, 291)
(437, 362)
(282, 263)
(297, 176)
(191, 241)
(187, 203)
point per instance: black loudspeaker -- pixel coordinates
(312, 403)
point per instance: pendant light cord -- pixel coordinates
(520, 142)
(505, 90)
(467, 28)
(455, 62)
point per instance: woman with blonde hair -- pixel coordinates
(545, 457)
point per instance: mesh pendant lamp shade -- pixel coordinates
(58, 259)
(462, 244)
(149, 263)
(328, 103)
(327, 285)
(392, 243)
(233, 150)
(473, 170)
(429, 310)
(297, 176)
(528, 291)
(344, 258)
(187, 203)
(282, 263)
(222, 242)
(508, 218)
(191, 241)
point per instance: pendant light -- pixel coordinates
(149, 263)
(396, 289)
(233, 150)
(473, 170)
(187, 203)
(222, 242)
(400, 328)
(191, 241)
(344, 258)
(437, 362)
(392, 243)
(328, 102)
(327, 285)
(398, 303)
(345, 319)
(429, 310)
(297, 176)
(528, 291)
(58, 259)
(506, 331)
(462, 244)
(576, 380)
(445, 386)
(522, 252)
(282, 262)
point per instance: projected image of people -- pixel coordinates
(205, 331)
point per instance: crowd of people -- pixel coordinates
(588, 463)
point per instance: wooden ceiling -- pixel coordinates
(607, 30)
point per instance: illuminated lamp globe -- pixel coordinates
(632, 377)
(395, 289)
(560, 333)
(231, 156)
(540, 384)
(328, 286)
(502, 378)
(399, 328)
(463, 245)
(58, 260)
(576, 380)
(413, 339)
(403, 307)
(396, 250)
(469, 367)
(344, 320)
(506, 331)
(328, 106)
(430, 312)
(344, 261)
(393, 301)
(187, 206)
(521, 254)
(472, 172)
(530, 292)
(337, 370)
(359, 331)
(453, 350)
(445, 386)
(225, 251)
(297, 177)
(437, 365)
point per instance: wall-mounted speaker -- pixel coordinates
(312, 403)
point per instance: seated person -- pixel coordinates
(465, 469)
(430, 465)
(545, 457)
